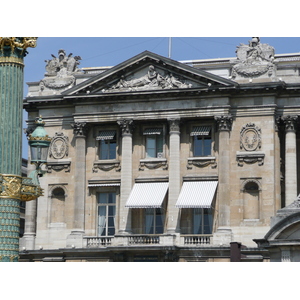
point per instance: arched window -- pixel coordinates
(251, 200)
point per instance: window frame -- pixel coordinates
(211, 136)
(100, 156)
(158, 154)
(106, 205)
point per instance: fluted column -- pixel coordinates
(126, 175)
(12, 52)
(174, 176)
(80, 132)
(224, 127)
(290, 123)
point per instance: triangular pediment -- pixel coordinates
(146, 72)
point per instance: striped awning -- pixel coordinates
(200, 130)
(151, 131)
(147, 195)
(106, 135)
(197, 194)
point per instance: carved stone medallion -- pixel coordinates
(59, 147)
(250, 137)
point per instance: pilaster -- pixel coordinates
(173, 225)
(80, 130)
(290, 124)
(223, 234)
(127, 127)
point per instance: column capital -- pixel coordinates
(13, 49)
(290, 122)
(80, 129)
(127, 126)
(174, 125)
(224, 122)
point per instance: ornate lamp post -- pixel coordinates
(39, 143)
(13, 188)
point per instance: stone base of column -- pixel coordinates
(222, 237)
(75, 239)
(27, 242)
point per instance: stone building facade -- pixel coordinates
(159, 160)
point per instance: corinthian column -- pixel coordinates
(290, 123)
(224, 127)
(126, 175)
(12, 52)
(174, 176)
(80, 132)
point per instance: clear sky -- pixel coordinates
(110, 51)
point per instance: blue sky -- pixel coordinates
(109, 51)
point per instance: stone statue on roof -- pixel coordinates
(254, 59)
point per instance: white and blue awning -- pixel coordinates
(152, 131)
(106, 135)
(197, 194)
(200, 130)
(147, 195)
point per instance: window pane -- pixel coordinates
(149, 219)
(111, 198)
(102, 198)
(159, 140)
(207, 147)
(112, 149)
(151, 146)
(207, 221)
(103, 149)
(159, 226)
(198, 145)
(111, 231)
(197, 221)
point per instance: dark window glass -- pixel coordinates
(107, 149)
(202, 145)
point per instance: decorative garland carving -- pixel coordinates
(202, 163)
(250, 158)
(106, 166)
(151, 164)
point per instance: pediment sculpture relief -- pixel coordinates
(254, 60)
(151, 80)
(60, 70)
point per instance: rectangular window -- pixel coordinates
(196, 221)
(202, 221)
(107, 144)
(106, 214)
(154, 221)
(201, 141)
(154, 142)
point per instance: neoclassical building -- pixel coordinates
(159, 160)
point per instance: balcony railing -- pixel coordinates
(95, 242)
(143, 239)
(148, 240)
(196, 239)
